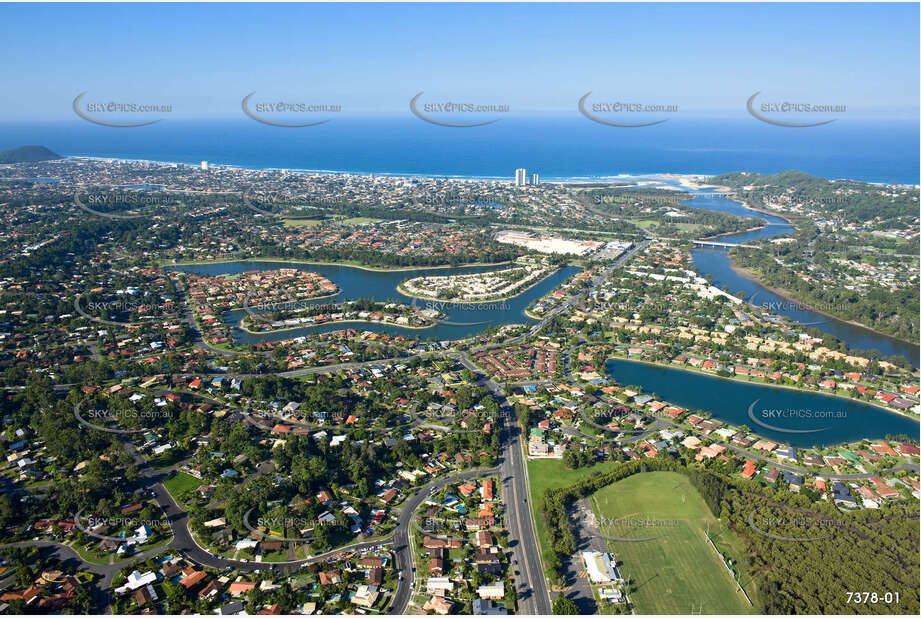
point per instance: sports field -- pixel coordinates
(674, 568)
(544, 474)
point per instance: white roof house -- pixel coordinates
(492, 591)
(136, 580)
(438, 584)
(600, 567)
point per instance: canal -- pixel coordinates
(461, 319)
(784, 415)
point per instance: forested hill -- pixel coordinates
(847, 200)
(28, 154)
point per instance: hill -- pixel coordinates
(28, 154)
(847, 200)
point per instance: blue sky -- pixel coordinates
(372, 58)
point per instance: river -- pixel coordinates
(715, 262)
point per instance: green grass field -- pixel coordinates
(678, 571)
(544, 474)
(180, 482)
(644, 223)
(358, 221)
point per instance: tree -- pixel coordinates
(563, 606)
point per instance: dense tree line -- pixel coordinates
(849, 200)
(892, 312)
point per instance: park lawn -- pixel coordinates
(644, 223)
(677, 572)
(358, 221)
(544, 474)
(179, 483)
(92, 554)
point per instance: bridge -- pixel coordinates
(711, 243)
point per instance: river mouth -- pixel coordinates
(461, 320)
(784, 415)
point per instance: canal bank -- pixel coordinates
(461, 320)
(800, 418)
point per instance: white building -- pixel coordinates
(521, 177)
(492, 591)
(438, 585)
(136, 580)
(600, 567)
(535, 179)
(204, 165)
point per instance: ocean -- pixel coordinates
(558, 147)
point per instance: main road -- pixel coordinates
(533, 597)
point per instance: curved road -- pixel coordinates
(532, 588)
(183, 541)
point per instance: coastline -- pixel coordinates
(769, 385)
(546, 178)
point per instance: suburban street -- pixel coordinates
(533, 597)
(528, 572)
